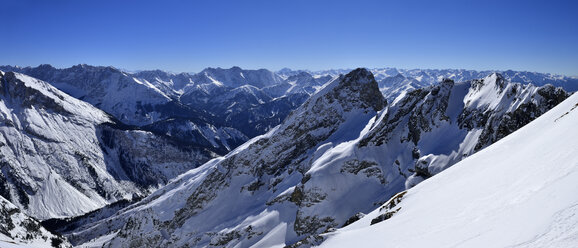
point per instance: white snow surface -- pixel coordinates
(518, 192)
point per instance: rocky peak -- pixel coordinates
(362, 83)
(445, 84)
(46, 67)
(358, 76)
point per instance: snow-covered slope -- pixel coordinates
(331, 159)
(60, 156)
(518, 192)
(19, 230)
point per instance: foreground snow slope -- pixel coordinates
(519, 192)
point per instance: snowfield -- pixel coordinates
(518, 192)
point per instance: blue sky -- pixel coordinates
(179, 35)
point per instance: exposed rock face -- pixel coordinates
(146, 159)
(61, 157)
(496, 128)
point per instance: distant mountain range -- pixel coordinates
(393, 81)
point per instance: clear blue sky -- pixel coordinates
(179, 35)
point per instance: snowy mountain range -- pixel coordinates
(303, 153)
(217, 109)
(393, 81)
(316, 172)
(62, 157)
(431, 76)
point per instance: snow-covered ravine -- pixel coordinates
(518, 192)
